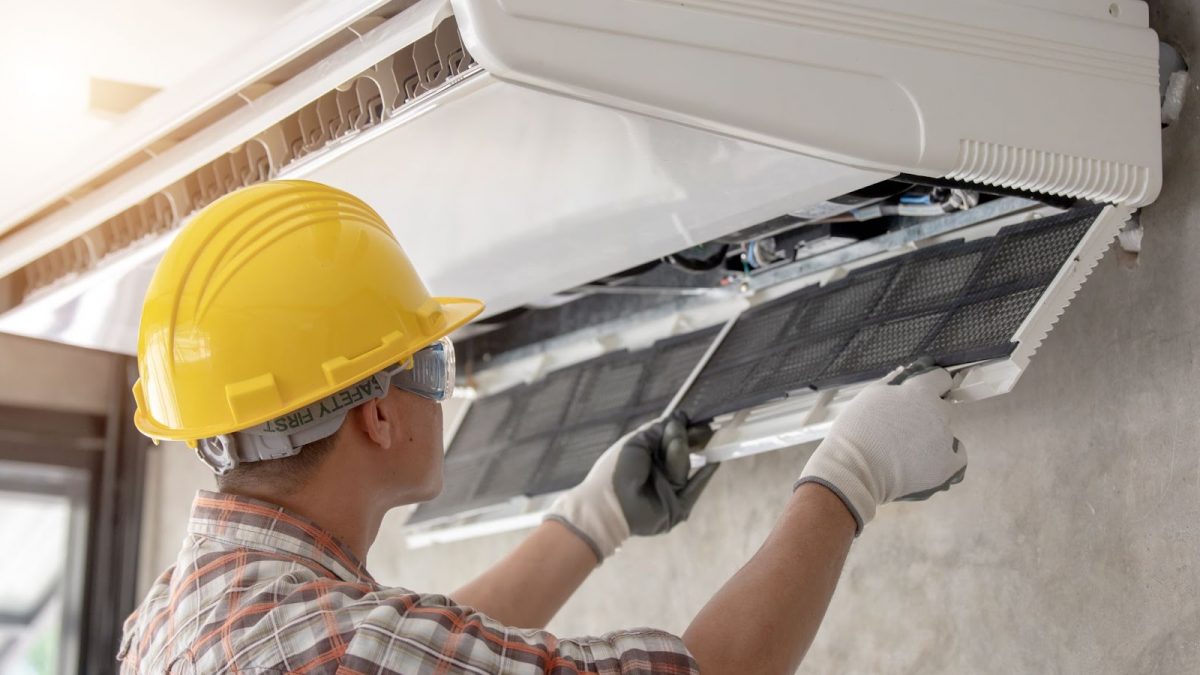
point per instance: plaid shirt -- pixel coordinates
(257, 589)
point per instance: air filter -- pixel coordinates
(959, 302)
(543, 437)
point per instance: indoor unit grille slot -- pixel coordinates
(364, 102)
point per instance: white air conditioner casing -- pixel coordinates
(1059, 97)
(594, 135)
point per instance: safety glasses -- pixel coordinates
(428, 373)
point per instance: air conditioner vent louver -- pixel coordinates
(1050, 172)
(377, 94)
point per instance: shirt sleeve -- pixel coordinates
(410, 632)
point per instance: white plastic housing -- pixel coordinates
(1060, 96)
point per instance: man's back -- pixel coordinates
(258, 589)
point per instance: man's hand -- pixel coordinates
(892, 443)
(638, 486)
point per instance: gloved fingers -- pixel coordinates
(633, 468)
(961, 451)
(648, 439)
(676, 454)
(674, 428)
(956, 477)
(698, 436)
(691, 492)
(935, 382)
(922, 495)
(675, 457)
(922, 364)
(677, 443)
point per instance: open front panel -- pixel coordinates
(960, 301)
(543, 437)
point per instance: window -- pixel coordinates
(43, 530)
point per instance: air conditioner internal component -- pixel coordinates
(979, 300)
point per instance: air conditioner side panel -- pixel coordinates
(1058, 99)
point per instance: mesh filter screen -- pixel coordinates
(459, 480)
(973, 327)
(547, 403)
(511, 470)
(574, 453)
(607, 387)
(1034, 251)
(881, 345)
(958, 302)
(545, 436)
(486, 422)
(798, 362)
(841, 304)
(672, 362)
(932, 281)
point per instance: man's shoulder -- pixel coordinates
(223, 602)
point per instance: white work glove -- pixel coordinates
(638, 486)
(892, 443)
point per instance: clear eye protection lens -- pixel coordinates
(430, 372)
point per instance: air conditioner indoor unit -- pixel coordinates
(789, 150)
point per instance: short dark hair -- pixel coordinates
(281, 476)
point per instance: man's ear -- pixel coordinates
(376, 422)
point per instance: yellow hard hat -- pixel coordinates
(274, 297)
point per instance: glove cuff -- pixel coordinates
(601, 526)
(858, 521)
(591, 543)
(846, 485)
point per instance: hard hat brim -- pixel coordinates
(457, 312)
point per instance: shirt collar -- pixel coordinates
(251, 523)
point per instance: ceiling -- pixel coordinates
(49, 51)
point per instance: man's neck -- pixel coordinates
(351, 518)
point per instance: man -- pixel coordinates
(286, 337)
